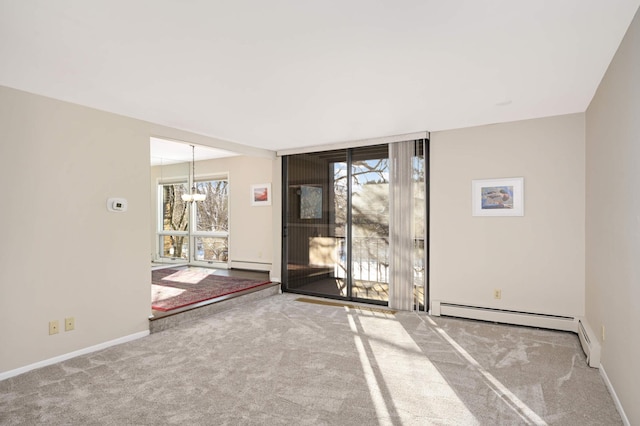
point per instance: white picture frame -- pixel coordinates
(497, 197)
(261, 194)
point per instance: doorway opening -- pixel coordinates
(189, 232)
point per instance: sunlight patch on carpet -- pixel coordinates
(179, 288)
(393, 365)
(516, 404)
(159, 292)
(188, 276)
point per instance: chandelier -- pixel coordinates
(194, 195)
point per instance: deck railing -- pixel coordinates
(370, 257)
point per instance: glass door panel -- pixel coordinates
(315, 224)
(370, 223)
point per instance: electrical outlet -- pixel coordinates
(497, 293)
(69, 324)
(54, 327)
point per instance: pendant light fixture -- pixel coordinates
(194, 195)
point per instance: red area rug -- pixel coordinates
(176, 288)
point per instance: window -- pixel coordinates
(211, 233)
(173, 234)
(194, 232)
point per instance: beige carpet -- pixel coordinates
(278, 361)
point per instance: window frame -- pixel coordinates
(161, 233)
(195, 234)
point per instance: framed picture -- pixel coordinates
(310, 202)
(498, 197)
(261, 194)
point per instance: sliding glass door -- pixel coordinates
(337, 215)
(337, 223)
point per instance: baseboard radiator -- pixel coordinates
(250, 265)
(590, 344)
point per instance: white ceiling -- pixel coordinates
(282, 74)
(165, 152)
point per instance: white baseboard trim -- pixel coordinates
(250, 265)
(11, 373)
(612, 391)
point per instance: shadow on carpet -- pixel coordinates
(176, 288)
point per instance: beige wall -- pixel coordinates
(250, 227)
(613, 220)
(62, 253)
(536, 260)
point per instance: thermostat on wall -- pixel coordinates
(117, 205)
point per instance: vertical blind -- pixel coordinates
(407, 206)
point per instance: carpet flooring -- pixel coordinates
(278, 361)
(175, 288)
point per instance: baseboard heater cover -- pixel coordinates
(590, 344)
(251, 265)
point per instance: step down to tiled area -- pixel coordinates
(165, 320)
